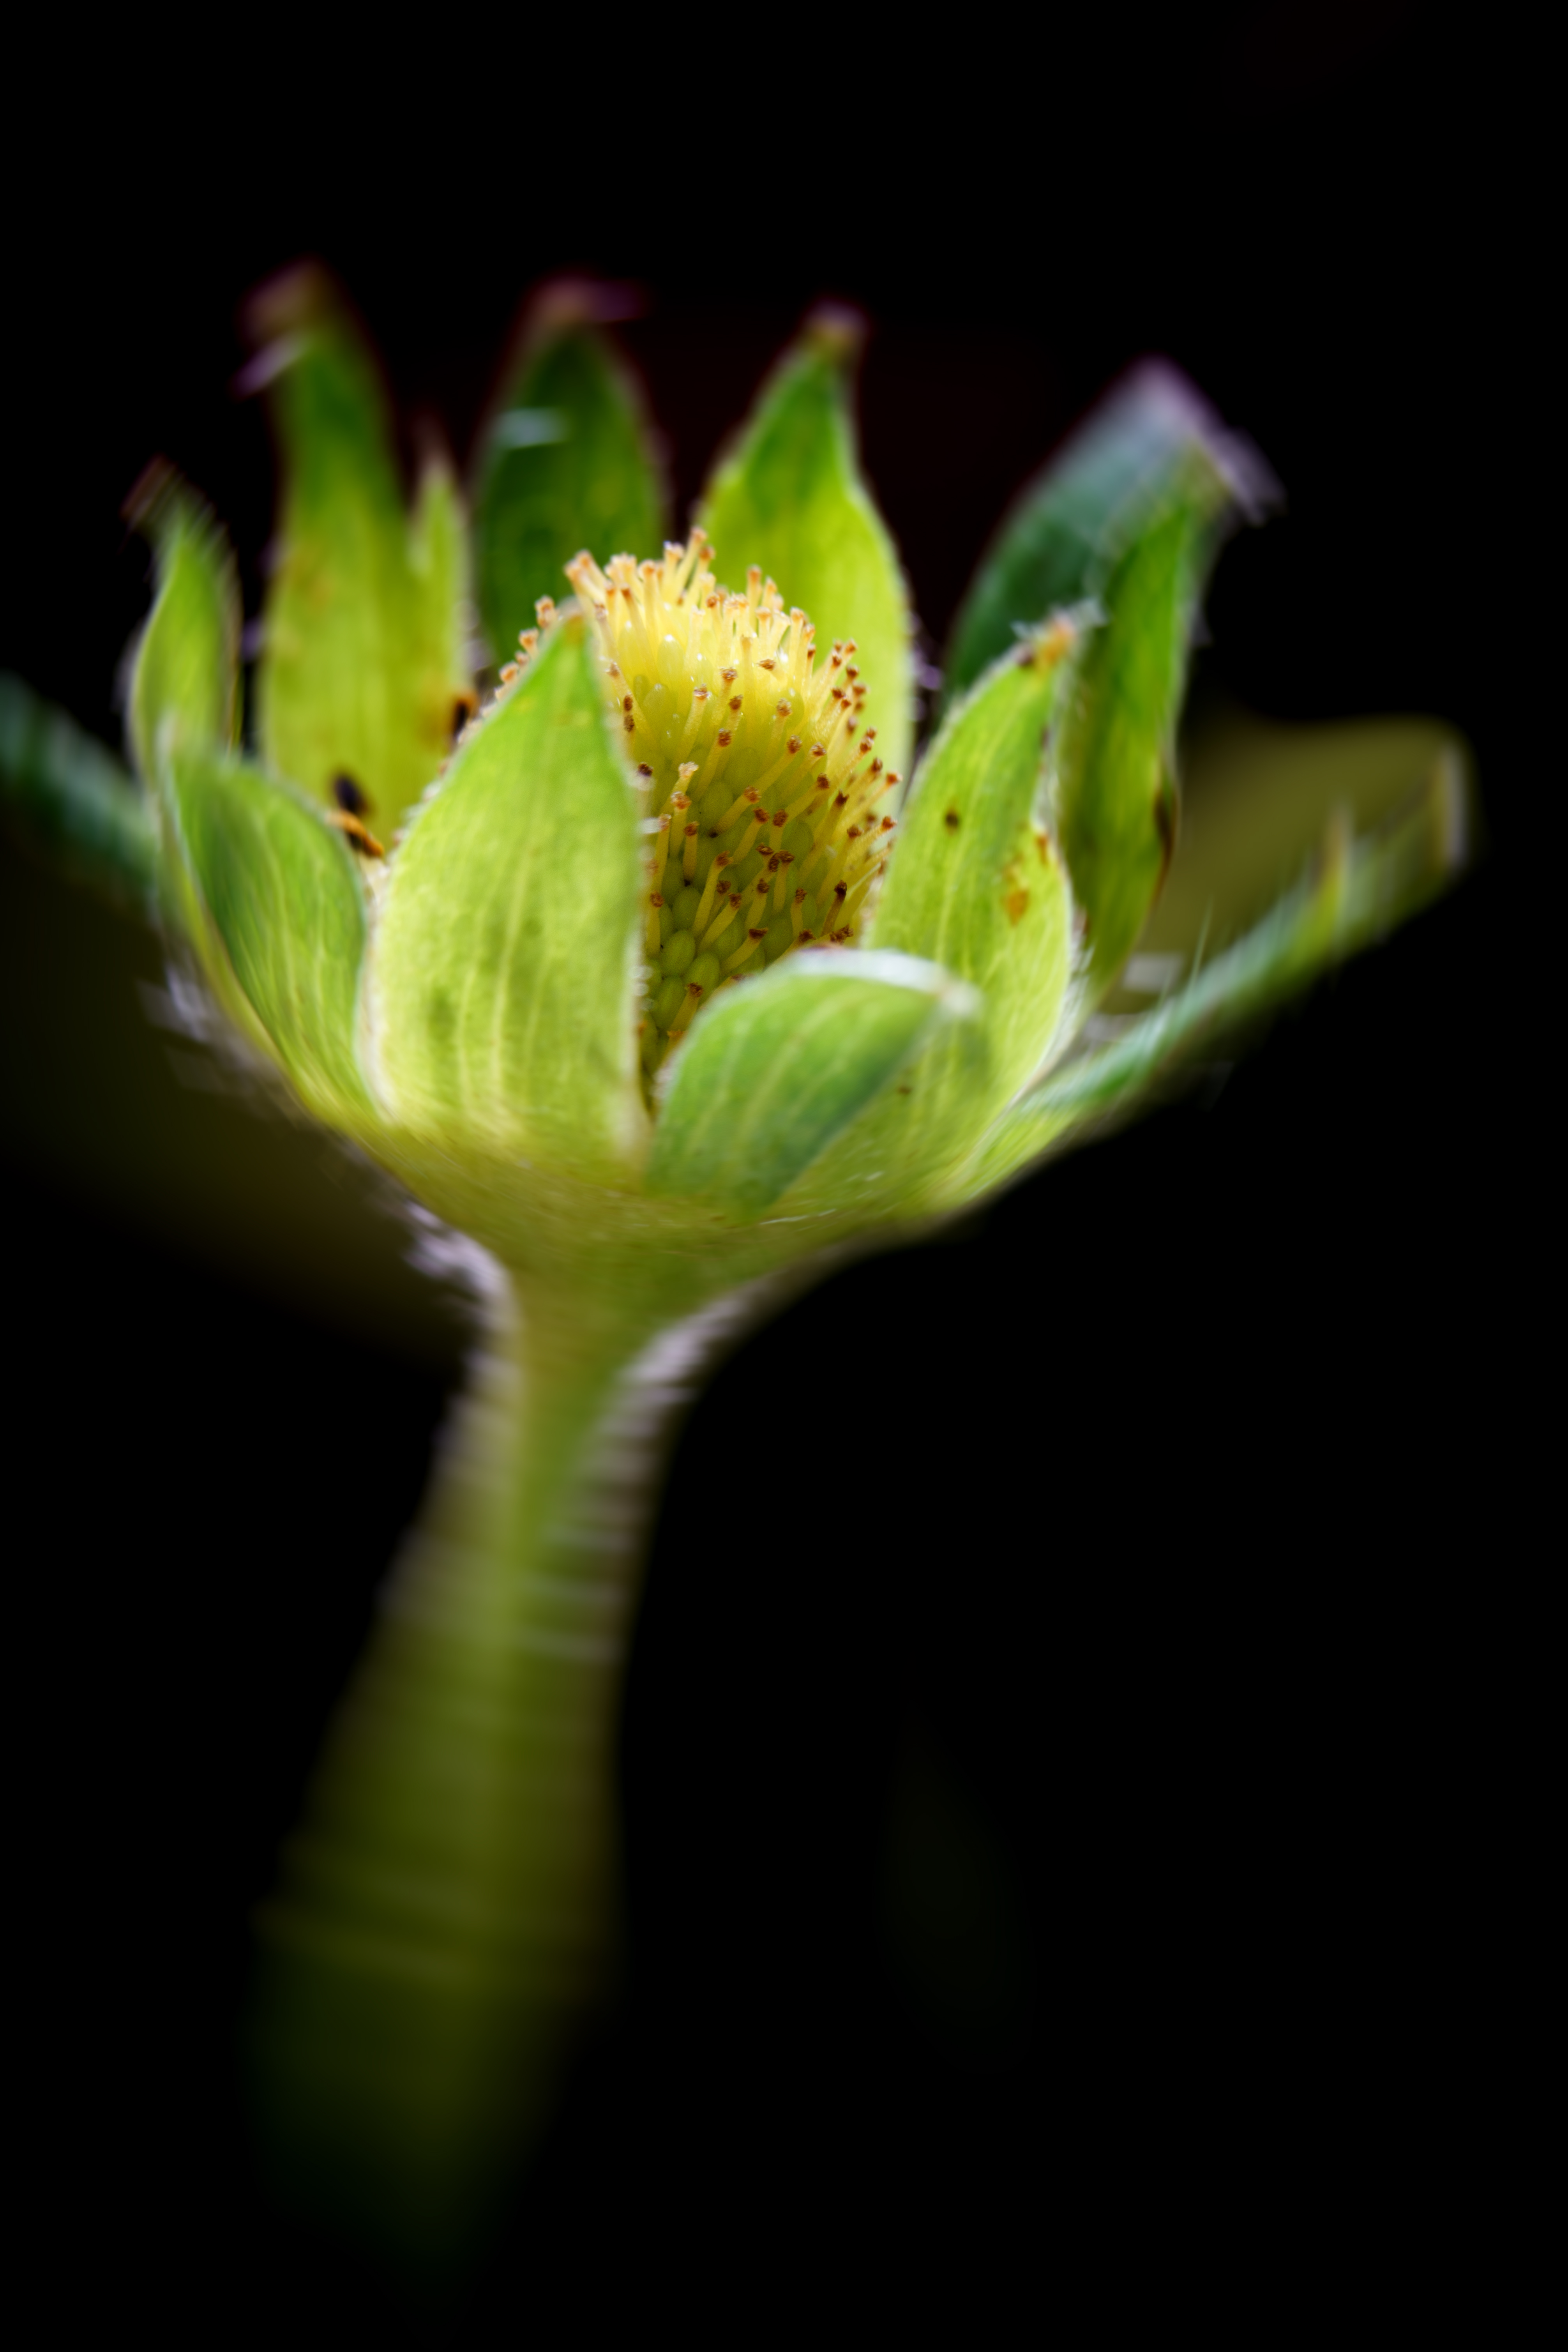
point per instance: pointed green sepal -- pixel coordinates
(361, 672)
(1257, 796)
(72, 802)
(777, 1068)
(503, 965)
(184, 685)
(441, 590)
(1116, 794)
(564, 463)
(1070, 526)
(1359, 892)
(790, 498)
(276, 913)
(977, 884)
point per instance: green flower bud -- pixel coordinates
(657, 982)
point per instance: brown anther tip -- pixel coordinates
(356, 834)
(793, 746)
(654, 899)
(725, 736)
(644, 770)
(630, 724)
(780, 816)
(757, 934)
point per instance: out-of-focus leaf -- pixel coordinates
(438, 557)
(361, 671)
(1361, 890)
(1069, 527)
(72, 802)
(184, 684)
(505, 958)
(277, 887)
(564, 464)
(1256, 798)
(975, 884)
(779, 1066)
(790, 498)
(1116, 796)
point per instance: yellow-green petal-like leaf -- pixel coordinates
(1069, 527)
(564, 464)
(790, 498)
(1361, 890)
(504, 966)
(1116, 794)
(361, 672)
(778, 1067)
(285, 919)
(184, 684)
(977, 884)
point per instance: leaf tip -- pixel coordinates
(836, 331)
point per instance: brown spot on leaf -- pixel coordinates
(1166, 822)
(1015, 903)
(951, 820)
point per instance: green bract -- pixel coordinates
(662, 975)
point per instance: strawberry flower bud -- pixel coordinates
(651, 974)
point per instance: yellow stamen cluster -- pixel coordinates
(761, 788)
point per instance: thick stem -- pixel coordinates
(447, 1911)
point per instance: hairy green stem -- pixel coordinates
(447, 1912)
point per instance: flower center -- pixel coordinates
(761, 788)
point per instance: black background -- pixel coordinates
(1161, 1535)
